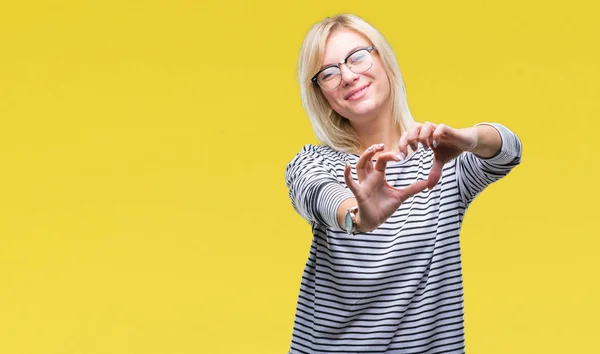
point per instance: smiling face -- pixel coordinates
(359, 96)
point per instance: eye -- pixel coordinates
(359, 56)
(329, 74)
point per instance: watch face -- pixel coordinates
(349, 223)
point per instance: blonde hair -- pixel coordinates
(331, 128)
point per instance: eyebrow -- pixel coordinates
(346, 57)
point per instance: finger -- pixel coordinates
(435, 174)
(383, 159)
(413, 189)
(403, 146)
(350, 182)
(364, 163)
(442, 133)
(413, 135)
(425, 136)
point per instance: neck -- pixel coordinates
(379, 129)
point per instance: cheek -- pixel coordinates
(334, 102)
(384, 83)
(385, 87)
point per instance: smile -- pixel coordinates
(358, 93)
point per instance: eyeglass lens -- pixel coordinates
(358, 62)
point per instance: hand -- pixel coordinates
(446, 142)
(377, 199)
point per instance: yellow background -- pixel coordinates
(143, 207)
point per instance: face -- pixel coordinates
(359, 96)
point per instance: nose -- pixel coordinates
(348, 76)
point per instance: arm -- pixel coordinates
(314, 189)
(478, 169)
(486, 149)
(320, 198)
(489, 141)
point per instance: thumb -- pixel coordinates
(413, 189)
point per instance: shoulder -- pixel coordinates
(322, 153)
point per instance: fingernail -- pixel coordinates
(401, 156)
(435, 143)
(380, 145)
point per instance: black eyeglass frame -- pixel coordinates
(368, 49)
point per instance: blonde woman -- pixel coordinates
(386, 197)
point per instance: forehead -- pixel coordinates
(340, 42)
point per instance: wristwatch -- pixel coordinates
(351, 220)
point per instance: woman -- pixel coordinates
(386, 198)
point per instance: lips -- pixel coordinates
(358, 91)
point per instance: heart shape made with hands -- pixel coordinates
(377, 199)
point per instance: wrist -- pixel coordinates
(350, 220)
(357, 227)
(487, 141)
(342, 211)
(473, 132)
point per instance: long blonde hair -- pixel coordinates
(331, 128)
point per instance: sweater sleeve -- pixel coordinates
(314, 189)
(475, 173)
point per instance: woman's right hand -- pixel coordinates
(377, 199)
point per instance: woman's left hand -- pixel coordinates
(446, 142)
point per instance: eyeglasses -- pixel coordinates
(330, 77)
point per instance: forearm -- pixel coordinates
(314, 190)
(476, 170)
(489, 141)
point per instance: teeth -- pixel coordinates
(357, 92)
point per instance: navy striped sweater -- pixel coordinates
(397, 289)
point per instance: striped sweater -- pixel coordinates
(397, 289)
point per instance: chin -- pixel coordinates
(361, 109)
